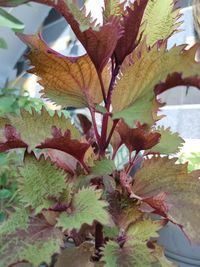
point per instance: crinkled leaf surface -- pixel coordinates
(98, 41)
(160, 20)
(137, 255)
(39, 181)
(134, 252)
(103, 167)
(138, 138)
(77, 256)
(67, 81)
(131, 23)
(182, 191)
(112, 8)
(145, 69)
(170, 143)
(86, 207)
(143, 230)
(162, 261)
(36, 244)
(34, 127)
(17, 220)
(65, 143)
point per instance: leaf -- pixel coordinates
(137, 255)
(67, 81)
(123, 210)
(7, 20)
(162, 261)
(99, 42)
(36, 244)
(65, 143)
(86, 207)
(176, 79)
(137, 112)
(143, 230)
(103, 167)
(159, 27)
(5, 193)
(28, 123)
(134, 251)
(145, 69)
(3, 44)
(131, 23)
(112, 8)
(17, 220)
(40, 181)
(12, 3)
(77, 256)
(181, 192)
(137, 139)
(170, 143)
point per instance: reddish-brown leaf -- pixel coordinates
(138, 138)
(171, 191)
(99, 42)
(11, 139)
(176, 79)
(63, 142)
(67, 81)
(131, 23)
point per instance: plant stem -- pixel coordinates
(94, 125)
(102, 87)
(104, 128)
(98, 237)
(133, 162)
(111, 132)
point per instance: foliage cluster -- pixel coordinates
(68, 185)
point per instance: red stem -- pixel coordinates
(94, 125)
(102, 87)
(98, 237)
(133, 162)
(111, 132)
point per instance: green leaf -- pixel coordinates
(160, 20)
(40, 181)
(170, 190)
(87, 207)
(7, 20)
(3, 44)
(112, 8)
(17, 220)
(143, 71)
(103, 167)
(36, 244)
(28, 123)
(137, 255)
(162, 261)
(143, 230)
(5, 193)
(170, 143)
(12, 3)
(137, 112)
(85, 22)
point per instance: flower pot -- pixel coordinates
(178, 248)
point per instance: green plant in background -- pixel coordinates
(11, 102)
(192, 158)
(9, 21)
